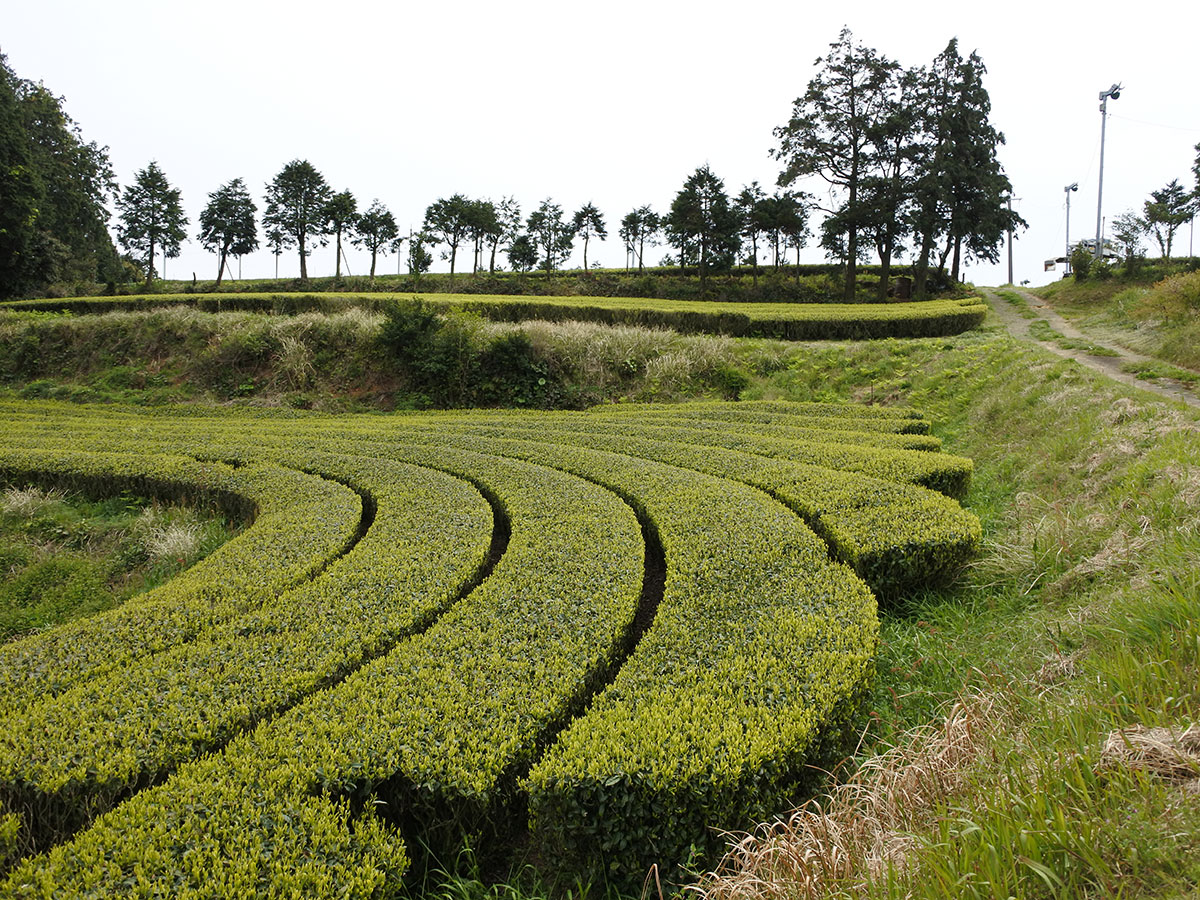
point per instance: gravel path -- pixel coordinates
(1018, 326)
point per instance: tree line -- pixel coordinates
(1166, 211)
(908, 154)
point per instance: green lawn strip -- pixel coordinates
(1154, 371)
(440, 727)
(302, 524)
(64, 760)
(1043, 331)
(1020, 303)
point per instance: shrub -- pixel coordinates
(1081, 262)
(1174, 299)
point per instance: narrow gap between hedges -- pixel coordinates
(432, 825)
(60, 822)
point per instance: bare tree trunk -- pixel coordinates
(885, 269)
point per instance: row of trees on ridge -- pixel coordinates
(909, 157)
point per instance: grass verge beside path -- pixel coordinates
(1078, 628)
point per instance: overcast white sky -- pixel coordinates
(616, 103)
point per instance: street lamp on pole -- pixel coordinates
(1115, 93)
(1069, 189)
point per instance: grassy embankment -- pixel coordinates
(1080, 621)
(63, 556)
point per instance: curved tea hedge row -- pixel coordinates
(445, 721)
(638, 625)
(787, 321)
(67, 758)
(303, 522)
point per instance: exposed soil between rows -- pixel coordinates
(1106, 365)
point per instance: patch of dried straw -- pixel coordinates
(1165, 753)
(861, 826)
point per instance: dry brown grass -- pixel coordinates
(28, 501)
(1166, 753)
(837, 843)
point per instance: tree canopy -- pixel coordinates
(54, 191)
(151, 216)
(703, 224)
(376, 230)
(448, 221)
(829, 132)
(227, 225)
(639, 228)
(297, 209)
(341, 216)
(588, 223)
(551, 234)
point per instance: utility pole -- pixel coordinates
(1010, 266)
(1069, 189)
(1010, 240)
(1115, 93)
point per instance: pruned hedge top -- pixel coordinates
(637, 624)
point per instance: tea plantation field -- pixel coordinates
(610, 632)
(787, 321)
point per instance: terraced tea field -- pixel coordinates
(787, 321)
(619, 629)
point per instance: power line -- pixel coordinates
(1154, 124)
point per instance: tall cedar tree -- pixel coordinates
(227, 224)
(376, 230)
(508, 221)
(639, 228)
(1166, 210)
(341, 215)
(551, 234)
(703, 221)
(828, 133)
(750, 215)
(297, 203)
(54, 188)
(588, 223)
(887, 189)
(447, 221)
(960, 190)
(151, 216)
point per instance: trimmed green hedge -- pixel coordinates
(897, 537)
(302, 524)
(348, 705)
(441, 726)
(787, 321)
(67, 758)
